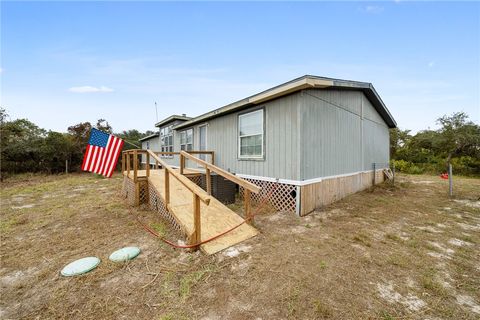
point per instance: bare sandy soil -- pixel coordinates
(403, 252)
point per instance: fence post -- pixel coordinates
(123, 163)
(135, 165)
(393, 171)
(374, 174)
(450, 180)
(208, 181)
(167, 187)
(128, 163)
(196, 219)
(248, 213)
(182, 163)
(66, 165)
(148, 164)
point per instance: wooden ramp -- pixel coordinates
(215, 218)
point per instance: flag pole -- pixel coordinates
(132, 144)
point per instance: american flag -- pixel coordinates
(102, 153)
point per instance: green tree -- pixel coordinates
(398, 140)
(458, 136)
(21, 141)
(104, 126)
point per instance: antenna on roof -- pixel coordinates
(156, 111)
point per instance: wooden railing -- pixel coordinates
(198, 194)
(209, 167)
(211, 155)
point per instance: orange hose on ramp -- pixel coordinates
(189, 246)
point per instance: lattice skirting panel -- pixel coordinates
(128, 190)
(281, 196)
(199, 181)
(143, 192)
(156, 204)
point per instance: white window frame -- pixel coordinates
(254, 157)
(166, 147)
(186, 143)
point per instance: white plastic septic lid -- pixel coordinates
(80, 266)
(124, 254)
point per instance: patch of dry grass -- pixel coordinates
(324, 266)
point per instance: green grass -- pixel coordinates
(393, 237)
(161, 228)
(363, 239)
(322, 310)
(322, 265)
(398, 260)
(429, 282)
(190, 280)
(6, 224)
(386, 316)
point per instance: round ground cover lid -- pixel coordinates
(125, 254)
(80, 266)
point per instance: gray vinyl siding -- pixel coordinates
(335, 138)
(281, 141)
(376, 138)
(154, 145)
(309, 134)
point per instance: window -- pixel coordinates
(148, 145)
(186, 140)
(250, 134)
(166, 140)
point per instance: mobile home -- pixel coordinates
(306, 142)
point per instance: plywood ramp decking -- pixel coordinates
(215, 218)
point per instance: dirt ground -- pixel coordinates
(403, 252)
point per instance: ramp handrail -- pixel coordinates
(198, 193)
(211, 167)
(173, 153)
(189, 184)
(248, 186)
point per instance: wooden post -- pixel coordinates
(196, 219)
(182, 163)
(248, 212)
(393, 172)
(135, 165)
(208, 181)
(128, 163)
(156, 164)
(137, 194)
(374, 174)
(66, 165)
(213, 157)
(123, 163)
(167, 187)
(148, 164)
(450, 180)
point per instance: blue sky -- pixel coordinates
(67, 62)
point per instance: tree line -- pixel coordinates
(456, 142)
(25, 147)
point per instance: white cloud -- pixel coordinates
(1, 70)
(89, 89)
(373, 9)
(431, 64)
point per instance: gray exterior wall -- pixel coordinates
(309, 134)
(281, 140)
(153, 144)
(341, 133)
